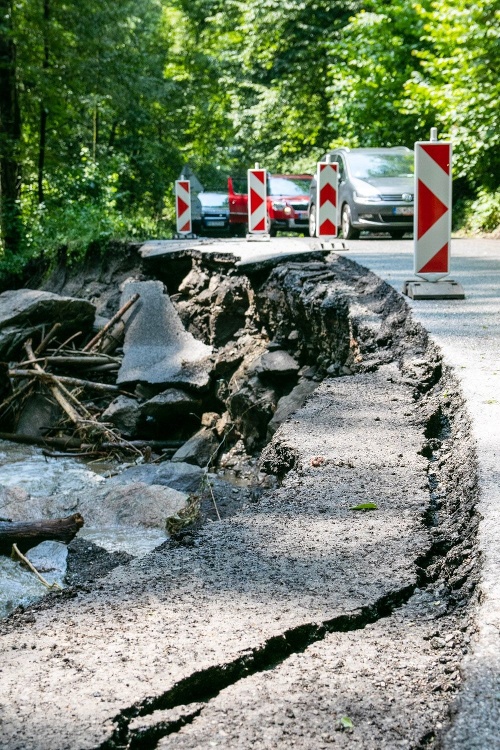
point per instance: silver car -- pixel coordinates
(376, 191)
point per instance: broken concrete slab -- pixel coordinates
(157, 349)
(29, 313)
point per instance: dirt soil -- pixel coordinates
(296, 620)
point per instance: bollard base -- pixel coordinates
(185, 236)
(333, 245)
(264, 237)
(444, 289)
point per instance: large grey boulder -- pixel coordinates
(157, 348)
(28, 313)
(103, 505)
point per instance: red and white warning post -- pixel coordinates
(257, 201)
(432, 223)
(183, 206)
(327, 182)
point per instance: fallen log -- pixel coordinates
(27, 534)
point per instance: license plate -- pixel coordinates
(403, 210)
(301, 214)
(215, 223)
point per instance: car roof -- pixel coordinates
(372, 150)
(294, 176)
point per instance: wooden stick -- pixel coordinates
(19, 554)
(85, 361)
(66, 380)
(47, 339)
(111, 323)
(17, 393)
(54, 388)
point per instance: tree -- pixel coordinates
(10, 133)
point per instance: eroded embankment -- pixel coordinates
(297, 616)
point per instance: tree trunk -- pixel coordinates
(43, 108)
(10, 134)
(27, 534)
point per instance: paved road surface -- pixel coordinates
(468, 332)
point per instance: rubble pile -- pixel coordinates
(203, 375)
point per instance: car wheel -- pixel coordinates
(348, 231)
(273, 231)
(397, 234)
(312, 221)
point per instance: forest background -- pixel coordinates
(102, 102)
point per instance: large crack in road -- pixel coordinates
(299, 622)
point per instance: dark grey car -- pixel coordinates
(214, 213)
(376, 191)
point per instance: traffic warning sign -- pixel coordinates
(183, 206)
(432, 222)
(327, 199)
(257, 201)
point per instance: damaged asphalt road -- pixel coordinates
(299, 621)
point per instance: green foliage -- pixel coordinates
(458, 81)
(116, 97)
(483, 213)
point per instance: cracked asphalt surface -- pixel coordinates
(297, 622)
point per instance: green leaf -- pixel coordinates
(346, 723)
(365, 506)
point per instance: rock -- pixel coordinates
(50, 559)
(288, 404)
(11, 499)
(229, 312)
(135, 504)
(124, 414)
(170, 403)
(275, 366)
(38, 413)
(201, 449)
(179, 475)
(157, 348)
(104, 504)
(27, 313)
(210, 419)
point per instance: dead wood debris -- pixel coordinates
(51, 368)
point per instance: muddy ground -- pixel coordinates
(295, 621)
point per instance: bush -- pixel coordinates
(483, 213)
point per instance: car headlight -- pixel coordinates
(278, 205)
(372, 198)
(288, 210)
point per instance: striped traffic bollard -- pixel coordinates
(257, 201)
(183, 206)
(327, 186)
(432, 223)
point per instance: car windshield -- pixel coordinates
(289, 186)
(372, 166)
(213, 200)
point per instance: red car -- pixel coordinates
(287, 204)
